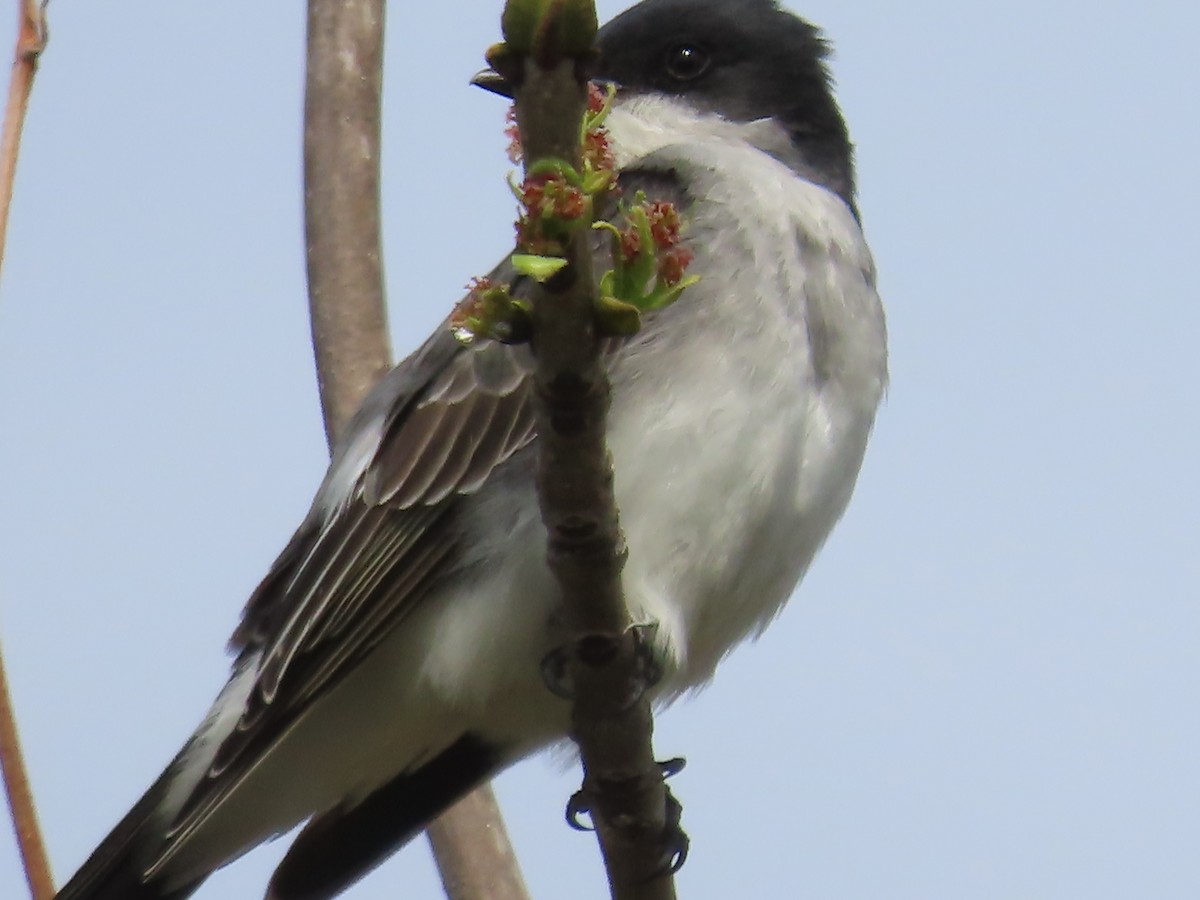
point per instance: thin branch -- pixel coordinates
(31, 41)
(474, 855)
(349, 326)
(341, 203)
(611, 715)
(32, 35)
(20, 801)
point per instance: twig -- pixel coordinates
(611, 715)
(20, 801)
(349, 327)
(341, 203)
(474, 855)
(31, 41)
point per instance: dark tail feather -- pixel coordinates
(114, 870)
(337, 848)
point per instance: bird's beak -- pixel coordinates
(491, 80)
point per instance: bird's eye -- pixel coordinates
(687, 62)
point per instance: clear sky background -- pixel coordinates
(987, 687)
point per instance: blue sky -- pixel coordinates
(987, 686)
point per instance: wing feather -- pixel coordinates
(477, 418)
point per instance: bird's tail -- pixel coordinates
(114, 870)
(335, 848)
(338, 847)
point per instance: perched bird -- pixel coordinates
(390, 661)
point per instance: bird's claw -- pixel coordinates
(577, 806)
(675, 840)
(671, 767)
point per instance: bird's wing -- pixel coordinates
(382, 530)
(382, 525)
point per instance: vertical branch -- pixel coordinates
(31, 40)
(20, 801)
(341, 203)
(474, 855)
(611, 719)
(349, 328)
(548, 50)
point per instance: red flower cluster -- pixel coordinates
(468, 312)
(631, 243)
(673, 263)
(552, 195)
(597, 151)
(664, 224)
(489, 311)
(473, 309)
(550, 205)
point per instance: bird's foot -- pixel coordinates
(555, 666)
(579, 805)
(674, 841)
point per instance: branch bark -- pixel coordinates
(341, 203)
(31, 41)
(611, 716)
(32, 35)
(20, 801)
(350, 337)
(474, 855)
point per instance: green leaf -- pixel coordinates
(663, 296)
(519, 22)
(615, 316)
(566, 29)
(580, 25)
(539, 268)
(554, 166)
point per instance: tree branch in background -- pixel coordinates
(350, 339)
(341, 203)
(474, 855)
(20, 801)
(546, 53)
(31, 41)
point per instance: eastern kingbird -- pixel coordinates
(390, 661)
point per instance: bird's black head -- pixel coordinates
(742, 59)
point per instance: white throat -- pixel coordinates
(646, 123)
